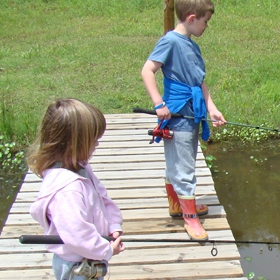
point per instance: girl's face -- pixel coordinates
(93, 147)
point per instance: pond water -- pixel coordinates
(9, 187)
(247, 181)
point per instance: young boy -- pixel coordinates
(186, 93)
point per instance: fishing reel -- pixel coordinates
(90, 269)
(158, 133)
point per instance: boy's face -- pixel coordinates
(199, 25)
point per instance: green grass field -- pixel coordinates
(95, 50)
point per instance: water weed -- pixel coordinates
(10, 159)
(94, 51)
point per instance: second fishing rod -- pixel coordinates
(176, 115)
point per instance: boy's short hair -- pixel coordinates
(199, 8)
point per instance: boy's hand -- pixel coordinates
(163, 113)
(218, 118)
(117, 246)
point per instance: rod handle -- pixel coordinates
(47, 239)
(153, 112)
(40, 239)
(145, 111)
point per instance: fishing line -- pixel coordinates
(176, 115)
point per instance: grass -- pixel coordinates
(94, 51)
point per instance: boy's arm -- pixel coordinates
(148, 75)
(214, 113)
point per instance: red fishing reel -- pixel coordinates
(165, 133)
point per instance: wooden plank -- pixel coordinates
(204, 184)
(128, 125)
(136, 203)
(140, 136)
(128, 215)
(16, 231)
(166, 225)
(169, 225)
(33, 274)
(133, 172)
(144, 194)
(132, 182)
(130, 257)
(26, 261)
(131, 116)
(124, 166)
(102, 160)
(211, 270)
(176, 254)
(180, 270)
(47, 274)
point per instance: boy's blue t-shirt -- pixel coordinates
(181, 59)
(182, 62)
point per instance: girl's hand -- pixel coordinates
(116, 234)
(117, 246)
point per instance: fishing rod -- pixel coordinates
(176, 115)
(55, 239)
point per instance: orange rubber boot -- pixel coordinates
(192, 224)
(173, 200)
(174, 204)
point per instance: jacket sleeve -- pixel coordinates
(69, 215)
(113, 213)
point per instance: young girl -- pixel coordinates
(72, 202)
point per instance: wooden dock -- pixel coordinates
(133, 172)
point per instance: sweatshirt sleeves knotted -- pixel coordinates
(177, 94)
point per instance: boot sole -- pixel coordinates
(180, 214)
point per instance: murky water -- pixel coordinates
(247, 181)
(9, 187)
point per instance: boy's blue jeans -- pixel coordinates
(180, 153)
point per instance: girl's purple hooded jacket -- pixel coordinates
(79, 210)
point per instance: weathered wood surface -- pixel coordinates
(133, 172)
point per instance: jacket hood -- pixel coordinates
(54, 180)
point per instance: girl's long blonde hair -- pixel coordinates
(68, 134)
